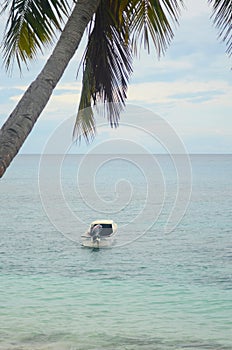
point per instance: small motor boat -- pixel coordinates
(101, 234)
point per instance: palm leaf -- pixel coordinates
(85, 121)
(222, 18)
(119, 28)
(106, 69)
(31, 26)
(151, 19)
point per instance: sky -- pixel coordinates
(190, 89)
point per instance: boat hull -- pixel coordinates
(101, 243)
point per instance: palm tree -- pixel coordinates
(116, 30)
(32, 24)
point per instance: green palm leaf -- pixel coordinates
(118, 28)
(31, 26)
(151, 19)
(222, 17)
(107, 68)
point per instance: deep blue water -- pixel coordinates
(160, 291)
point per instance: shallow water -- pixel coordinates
(159, 292)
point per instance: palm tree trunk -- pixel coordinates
(21, 121)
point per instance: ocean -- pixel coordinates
(153, 290)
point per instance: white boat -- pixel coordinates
(101, 234)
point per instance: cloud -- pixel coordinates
(65, 103)
(164, 69)
(163, 92)
(195, 8)
(67, 86)
(64, 100)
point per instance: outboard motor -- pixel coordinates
(95, 232)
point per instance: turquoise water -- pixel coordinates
(160, 292)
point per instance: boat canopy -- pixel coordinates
(102, 222)
(107, 226)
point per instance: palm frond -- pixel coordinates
(85, 125)
(151, 19)
(31, 26)
(85, 121)
(119, 27)
(222, 18)
(107, 68)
